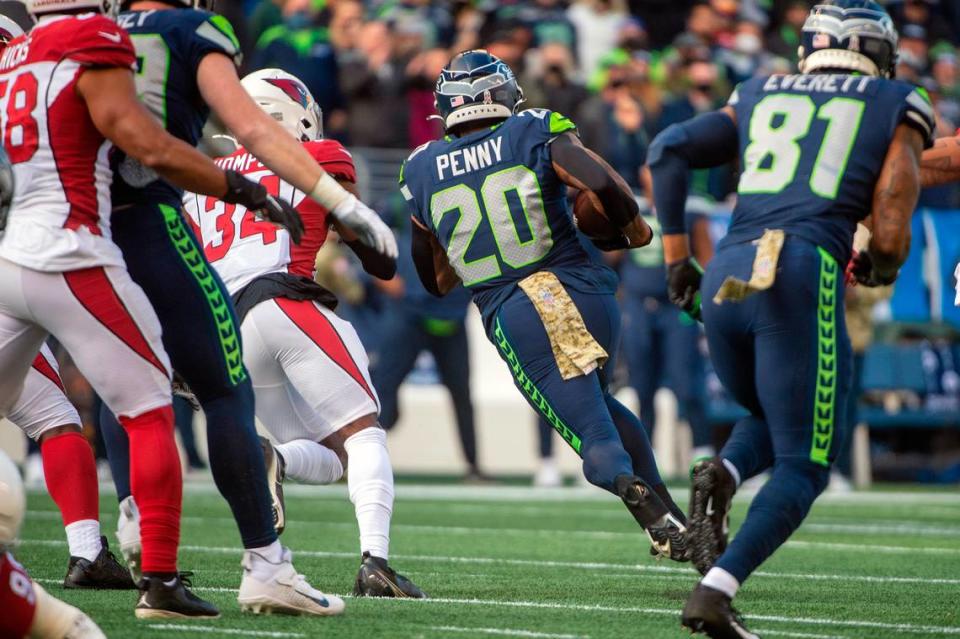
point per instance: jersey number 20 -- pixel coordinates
(514, 251)
(772, 157)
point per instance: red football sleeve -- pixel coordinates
(101, 43)
(334, 159)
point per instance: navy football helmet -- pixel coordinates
(852, 35)
(476, 85)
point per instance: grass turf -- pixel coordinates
(554, 565)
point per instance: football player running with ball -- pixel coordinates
(187, 67)
(819, 152)
(308, 367)
(489, 210)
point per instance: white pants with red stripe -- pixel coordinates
(101, 317)
(43, 405)
(308, 368)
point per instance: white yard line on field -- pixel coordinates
(508, 633)
(799, 635)
(570, 494)
(578, 565)
(610, 535)
(852, 623)
(222, 631)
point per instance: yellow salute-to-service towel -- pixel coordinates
(575, 349)
(764, 271)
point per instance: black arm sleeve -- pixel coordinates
(619, 207)
(374, 263)
(706, 141)
(422, 251)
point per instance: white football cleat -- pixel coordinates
(269, 588)
(128, 536)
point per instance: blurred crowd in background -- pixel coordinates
(622, 71)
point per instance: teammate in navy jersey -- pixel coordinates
(187, 66)
(489, 209)
(819, 151)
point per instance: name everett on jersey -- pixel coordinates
(469, 159)
(826, 83)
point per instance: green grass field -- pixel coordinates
(562, 564)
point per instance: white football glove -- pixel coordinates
(368, 226)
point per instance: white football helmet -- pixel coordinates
(288, 101)
(9, 29)
(37, 8)
(12, 502)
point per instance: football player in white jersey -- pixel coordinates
(44, 414)
(68, 96)
(308, 367)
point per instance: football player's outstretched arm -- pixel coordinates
(581, 168)
(894, 200)
(702, 142)
(111, 99)
(276, 149)
(433, 267)
(377, 264)
(941, 164)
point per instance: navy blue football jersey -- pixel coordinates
(811, 150)
(498, 208)
(170, 45)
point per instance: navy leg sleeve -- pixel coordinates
(641, 339)
(451, 354)
(801, 377)
(576, 407)
(401, 340)
(685, 374)
(202, 337)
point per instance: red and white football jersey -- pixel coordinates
(240, 246)
(60, 216)
(18, 601)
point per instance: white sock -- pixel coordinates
(310, 462)
(83, 538)
(720, 579)
(370, 481)
(263, 561)
(733, 471)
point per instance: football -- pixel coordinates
(590, 219)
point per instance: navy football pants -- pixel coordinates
(785, 356)
(581, 410)
(202, 337)
(662, 347)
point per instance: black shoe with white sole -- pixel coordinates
(711, 495)
(377, 579)
(103, 573)
(171, 599)
(667, 534)
(276, 471)
(708, 611)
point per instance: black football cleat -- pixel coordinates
(171, 599)
(103, 573)
(377, 579)
(667, 534)
(711, 495)
(276, 472)
(708, 611)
